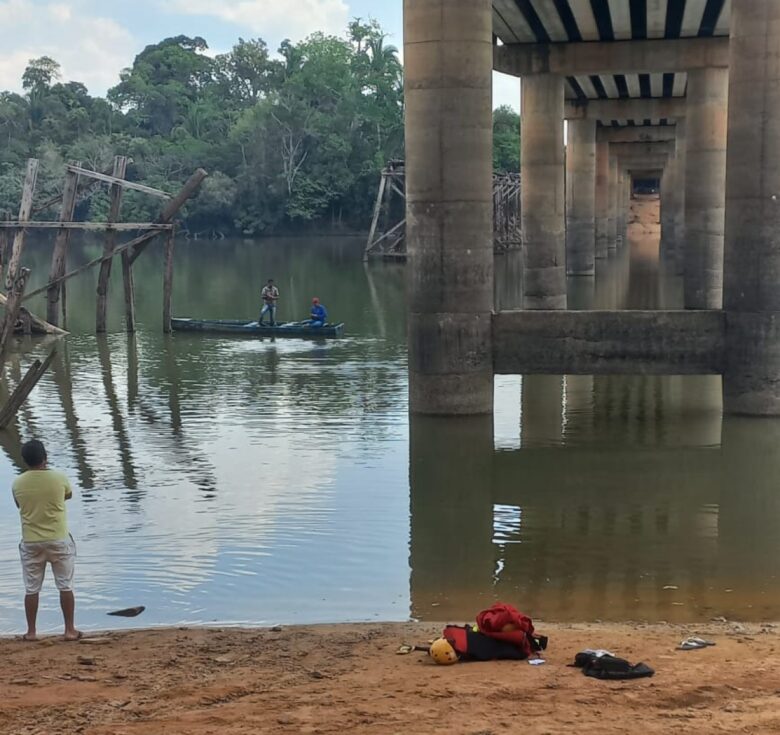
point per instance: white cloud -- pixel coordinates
(90, 49)
(272, 18)
(506, 91)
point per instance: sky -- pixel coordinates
(94, 39)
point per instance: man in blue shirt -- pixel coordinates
(319, 314)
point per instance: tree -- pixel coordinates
(40, 73)
(506, 140)
(246, 73)
(164, 80)
(13, 117)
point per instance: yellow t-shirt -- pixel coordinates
(41, 496)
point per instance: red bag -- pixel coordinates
(505, 623)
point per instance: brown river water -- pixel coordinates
(258, 481)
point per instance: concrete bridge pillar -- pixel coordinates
(618, 205)
(705, 180)
(612, 197)
(667, 217)
(543, 196)
(448, 55)
(602, 199)
(752, 245)
(581, 198)
(623, 206)
(672, 206)
(680, 169)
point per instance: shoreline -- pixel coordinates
(348, 678)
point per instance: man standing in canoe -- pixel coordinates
(40, 495)
(270, 295)
(319, 314)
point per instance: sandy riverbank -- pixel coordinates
(339, 679)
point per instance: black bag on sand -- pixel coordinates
(610, 667)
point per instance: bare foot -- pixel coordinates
(29, 637)
(73, 635)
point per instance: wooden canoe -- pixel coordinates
(253, 329)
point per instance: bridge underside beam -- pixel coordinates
(635, 163)
(640, 134)
(642, 149)
(669, 108)
(611, 57)
(609, 342)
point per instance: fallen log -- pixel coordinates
(39, 326)
(25, 387)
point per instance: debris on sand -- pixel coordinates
(128, 612)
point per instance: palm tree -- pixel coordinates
(384, 59)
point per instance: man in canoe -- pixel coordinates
(319, 314)
(270, 295)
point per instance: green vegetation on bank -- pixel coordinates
(289, 139)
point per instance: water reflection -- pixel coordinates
(63, 382)
(117, 419)
(580, 532)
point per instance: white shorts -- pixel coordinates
(36, 554)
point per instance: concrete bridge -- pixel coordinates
(671, 86)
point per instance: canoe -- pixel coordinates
(253, 329)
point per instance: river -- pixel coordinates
(241, 481)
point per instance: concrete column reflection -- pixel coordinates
(542, 419)
(749, 517)
(451, 548)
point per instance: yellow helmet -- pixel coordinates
(443, 653)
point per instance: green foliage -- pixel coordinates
(40, 73)
(164, 81)
(506, 140)
(290, 139)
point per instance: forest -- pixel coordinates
(292, 140)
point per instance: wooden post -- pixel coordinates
(170, 211)
(120, 168)
(60, 254)
(12, 305)
(28, 382)
(377, 211)
(25, 210)
(16, 276)
(26, 322)
(64, 296)
(168, 281)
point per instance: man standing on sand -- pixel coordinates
(40, 495)
(270, 295)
